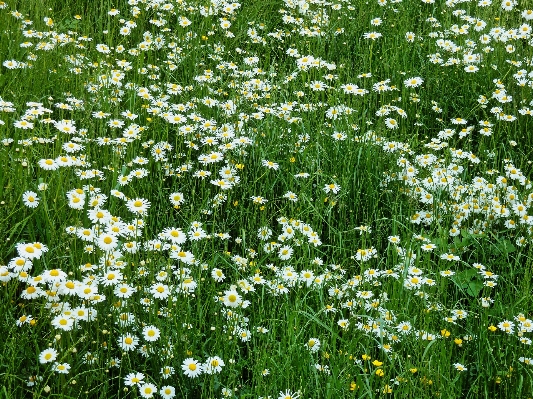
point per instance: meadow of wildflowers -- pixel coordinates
(280, 199)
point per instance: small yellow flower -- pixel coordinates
(413, 370)
(353, 386)
(445, 333)
(387, 389)
(492, 328)
(377, 363)
(366, 357)
(380, 372)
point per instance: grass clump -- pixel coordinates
(289, 199)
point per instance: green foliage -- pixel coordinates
(299, 199)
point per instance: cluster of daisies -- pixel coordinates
(204, 134)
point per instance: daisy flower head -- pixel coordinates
(174, 235)
(138, 206)
(258, 200)
(428, 247)
(413, 82)
(28, 251)
(48, 164)
(5, 275)
(133, 379)
(107, 242)
(212, 157)
(339, 136)
(363, 254)
(160, 291)
(191, 367)
(231, 299)
(372, 35)
(391, 123)
(112, 277)
(450, 257)
(270, 164)
(128, 342)
(176, 199)
(288, 395)
(12, 64)
(333, 188)
(527, 14)
(76, 201)
(63, 322)
(313, 345)
(184, 22)
(151, 333)
(147, 390)
(183, 256)
(61, 368)
(343, 323)
(30, 199)
(197, 233)
(100, 216)
(459, 367)
(285, 252)
(264, 233)
(290, 196)
(48, 356)
(222, 183)
(20, 264)
(394, 239)
(167, 392)
(213, 365)
(167, 371)
(506, 326)
(459, 121)
(218, 275)
(508, 5)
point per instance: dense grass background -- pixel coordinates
(454, 344)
